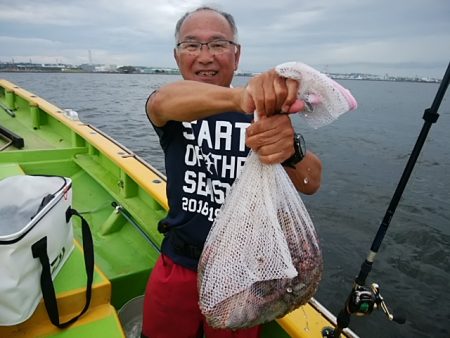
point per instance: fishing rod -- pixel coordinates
(120, 209)
(363, 299)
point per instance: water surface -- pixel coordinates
(363, 155)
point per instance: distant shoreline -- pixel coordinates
(352, 76)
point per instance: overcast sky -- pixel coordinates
(399, 37)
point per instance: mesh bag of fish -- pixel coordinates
(262, 258)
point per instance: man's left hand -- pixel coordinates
(272, 138)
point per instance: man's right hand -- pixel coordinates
(269, 94)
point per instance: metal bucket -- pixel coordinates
(131, 317)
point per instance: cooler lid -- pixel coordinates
(22, 197)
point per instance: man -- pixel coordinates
(204, 126)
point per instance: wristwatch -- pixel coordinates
(299, 154)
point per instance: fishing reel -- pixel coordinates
(361, 302)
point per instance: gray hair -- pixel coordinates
(226, 15)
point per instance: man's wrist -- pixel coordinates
(299, 152)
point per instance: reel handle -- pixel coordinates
(380, 303)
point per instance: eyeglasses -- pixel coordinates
(215, 47)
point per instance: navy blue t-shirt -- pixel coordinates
(203, 158)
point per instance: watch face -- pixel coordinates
(301, 144)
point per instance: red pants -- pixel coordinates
(171, 306)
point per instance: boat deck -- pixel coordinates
(53, 147)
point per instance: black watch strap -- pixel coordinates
(299, 152)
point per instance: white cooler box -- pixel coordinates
(32, 209)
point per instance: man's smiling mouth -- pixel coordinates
(206, 73)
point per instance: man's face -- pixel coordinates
(205, 26)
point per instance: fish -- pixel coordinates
(267, 300)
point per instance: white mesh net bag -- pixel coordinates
(246, 272)
(262, 258)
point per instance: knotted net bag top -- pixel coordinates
(326, 99)
(262, 258)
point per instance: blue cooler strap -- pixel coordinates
(39, 250)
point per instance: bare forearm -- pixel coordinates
(307, 174)
(190, 100)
